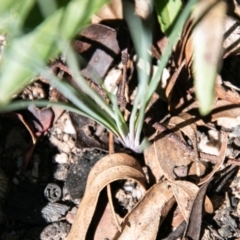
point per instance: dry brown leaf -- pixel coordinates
(171, 156)
(177, 218)
(224, 108)
(228, 95)
(221, 109)
(106, 227)
(110, 168)
(114, 10)
(174, 159)
(172, 81)
(187, 125)
(151, 161)
(144, 220)
(221, 158)
(193, 228)
(185, 193)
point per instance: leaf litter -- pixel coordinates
(178, 173)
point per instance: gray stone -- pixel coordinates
(54, 211)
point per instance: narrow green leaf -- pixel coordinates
(207, 45)
(25, 53)
(47, 8)
(142, 40)
(173, 37)
(167, 12)
(13, 14)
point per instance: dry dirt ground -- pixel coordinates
(47, 154)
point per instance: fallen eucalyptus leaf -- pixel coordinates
(144, 220)
(185, 194)
(110, 168)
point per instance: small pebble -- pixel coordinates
(136, 193)
(65, 137)
(128, 188)
(68, 127)
(225, 231)
(55, 231)
(71, 143)
(62, 146)
(61, 158)
(61, 172)
(15, 181)
(54, 211)
(58, 131)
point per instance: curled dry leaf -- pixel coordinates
(110, 168)
(144, 220)
(185, 193)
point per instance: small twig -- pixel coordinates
(235, 162)
(110, 143)
(109, 193)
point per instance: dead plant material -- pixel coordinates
(37, 122)
(85, 130)
(185, 194)
(144, 220)
(98, 45)
(110, 168)
(221, 158)
(172, 152)
(195, 220)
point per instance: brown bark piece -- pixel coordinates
(99, 46)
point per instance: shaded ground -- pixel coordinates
(41, 187)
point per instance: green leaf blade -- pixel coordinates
(24, 56)
(207, 45)
(167, 12)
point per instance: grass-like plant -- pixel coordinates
(26, 56)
